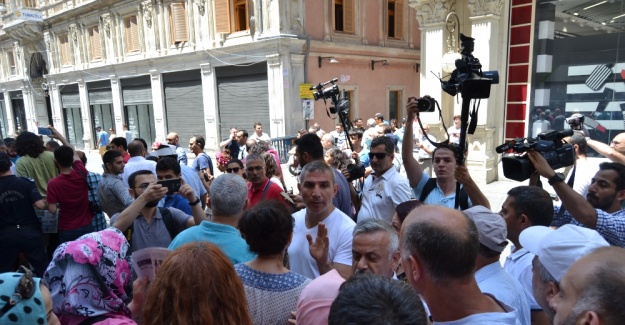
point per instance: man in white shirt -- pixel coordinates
(454, 131)
(425, 149)
(258, 133)
(322, 236)
(137, 161)
(524, 207)
(385, 188)
(339, 135)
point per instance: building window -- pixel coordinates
(395, 18)
(178, 19)
(66, 56)
(394, 104)
(30, 3)
(343, 16)
(95, 42)
(11, 60)
(132, 34)
(231, 16)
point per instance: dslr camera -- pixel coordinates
(426, 104)
(549, 144)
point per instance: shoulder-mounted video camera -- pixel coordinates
(556, 152)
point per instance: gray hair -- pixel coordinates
(371, 122)
(328, 137)
(371, 225)
(317, 165)
(254, 156)
(228, 195)
(544, 275)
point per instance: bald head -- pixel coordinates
(618, 143)
(443, 240)
(135, 148)
(593, 288)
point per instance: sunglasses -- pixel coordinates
(25, 289)
(379, 155)
(233, 170)
(143, 186)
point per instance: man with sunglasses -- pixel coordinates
(385, 188)
(615, 151)
(260, 188)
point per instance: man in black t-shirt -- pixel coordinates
(20, 229)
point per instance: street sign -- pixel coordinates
(304, 91)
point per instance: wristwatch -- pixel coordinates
(194, 203)
(557, 178)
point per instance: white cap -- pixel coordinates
(558, 249)
(491, 227)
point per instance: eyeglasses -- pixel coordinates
(255, 168)
(233, 170)
(379, 155)
(25, 289)
(143, 186)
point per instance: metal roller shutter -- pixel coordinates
(185, 109)
(135, 95)
(100, 97)
(243, 100)
(70, 100)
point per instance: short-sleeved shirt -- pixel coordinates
(611, 226)
(42, 169)
(495, 280)
(104, 138)
(155, 233)
(113, 194)
(380, 195)
(272, 192)
(436, 196)
(191, 177)
(227, 238)
(135, 164)
(176, 201)
(203, 161)
(510, 317)
(16, 201)
(340, 228)
(519, 265)
(182, 155)
(71, 193)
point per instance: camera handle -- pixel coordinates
(464, 125)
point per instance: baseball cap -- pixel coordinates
(490, 226)
(164, 150)
(558, 249)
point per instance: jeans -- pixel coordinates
(27, 240)
(73, 234)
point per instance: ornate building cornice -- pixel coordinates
(432, 11)
(485, 7)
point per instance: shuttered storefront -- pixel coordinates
(101, 105)
(138, 109)
(4, 133)
(184, 105)
(70, 99)
(243, 98)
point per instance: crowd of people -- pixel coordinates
(374, 233)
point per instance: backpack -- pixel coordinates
(168, 219)
(431, 184)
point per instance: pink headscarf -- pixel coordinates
(313, 305)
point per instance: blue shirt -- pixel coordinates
(227, 238)
(191, 177)
(493, 279)
(203, 161)
(176, 201)
(436, 197)
(611, 226)
(182, 155)
(104, 138)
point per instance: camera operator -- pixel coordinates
(580, 177)
(447, 172)
(615, 151)
(601, 210)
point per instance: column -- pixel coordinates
(431, 15)
(57, 107)
(211, 112)
(279, 88)
(9, 111)
(29, 108)
(486, 29)
(118, 103)
(85, 112)
(158, 102)
(294, 112)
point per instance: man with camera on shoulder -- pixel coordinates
(442, 189)
(601, 210)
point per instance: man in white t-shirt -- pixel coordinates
(454, 131)
(322, 236)
(258, 133)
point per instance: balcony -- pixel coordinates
(22, 23)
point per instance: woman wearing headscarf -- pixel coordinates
(25, 300)
(89, 278)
